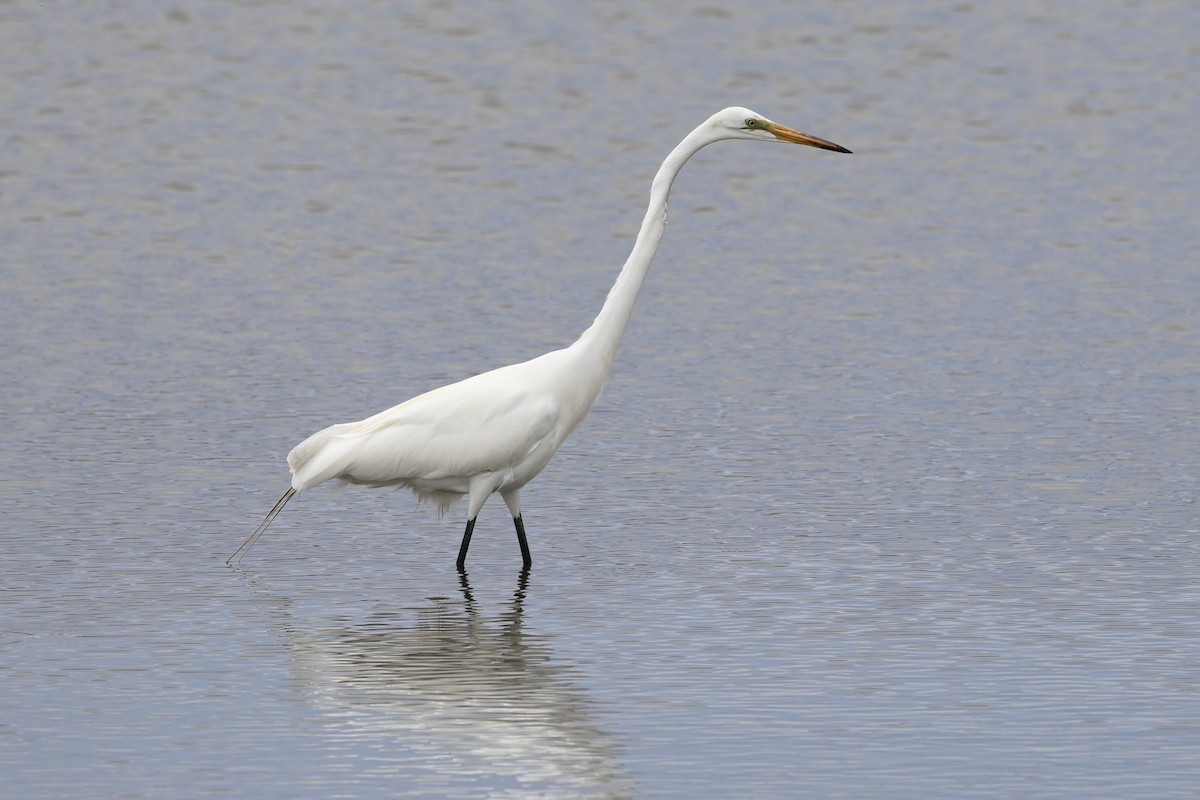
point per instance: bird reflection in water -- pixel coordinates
(461, 699)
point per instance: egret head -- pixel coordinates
(742, 123)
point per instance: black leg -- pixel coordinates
(462, 548)
(525, 558)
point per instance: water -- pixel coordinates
(892, 493)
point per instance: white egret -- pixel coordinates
(494, 432)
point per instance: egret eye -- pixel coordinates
(751, 123)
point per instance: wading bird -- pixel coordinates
(494, 432)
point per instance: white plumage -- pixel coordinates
(481, 435)
(494, 432)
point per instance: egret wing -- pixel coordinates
(483, 424)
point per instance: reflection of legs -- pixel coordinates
(466, 542)
(518, 598)
(465, 585)
(526, 560)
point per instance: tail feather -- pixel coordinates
(320, 457)
(262, 526)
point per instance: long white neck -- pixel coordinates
(600, 341)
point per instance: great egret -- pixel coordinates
(494, 432)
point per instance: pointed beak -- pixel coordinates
(786, 134)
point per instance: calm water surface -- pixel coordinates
(892, 493)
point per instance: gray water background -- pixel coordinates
(892, 492)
